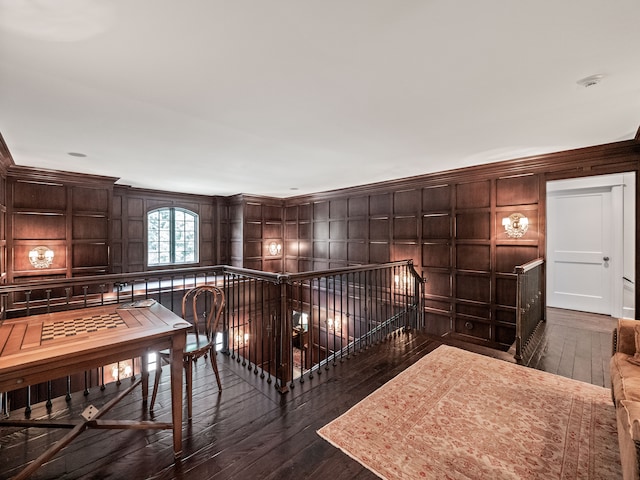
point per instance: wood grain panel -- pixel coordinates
(90, 227)
(473, 287)
(357, 252)
(505, 316)
(508, 257)
(406, 202)
(272, 212)
(379, 229)
(379, 204)
(357, 229)
(135, 230)
(304, 231)
(405, 228)
(291, 213)
(135, 207)
(39, 196)
(438, 283)
(291, 247)
(291, 231)
(36, 226)
(90, 199)
(321, 211)
(476, 311)
(436, 255)
(473, 194)
(272, 230)
(253, 248)
(321, 230)
(321, 249)
(437, 324)
(338, 230)
(338, 208)
(338, 251)
(436, 199)
(136, 253)
(473, 257)
(379, 252)
(436, 226)
(405, 251)
(358, 206)
(506, 291)
(473, 226)
(305, 211)
(517, 190)
(253, 211)
(90, 255)
(440, 305)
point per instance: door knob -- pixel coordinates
(606, 259)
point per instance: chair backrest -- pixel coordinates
(204, 301)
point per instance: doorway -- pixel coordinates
(591, 244)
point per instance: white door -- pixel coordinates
(579, 254)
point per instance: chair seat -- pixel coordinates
(195, 342)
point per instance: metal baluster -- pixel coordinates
(49, 404)
(348, 318)
(262, 328)
(248, 322)
(255, 334)
(27, 409)
(86, 384)
(311, 325)
(84, 295)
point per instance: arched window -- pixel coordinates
(172, 235)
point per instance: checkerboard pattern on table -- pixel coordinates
(78, 326)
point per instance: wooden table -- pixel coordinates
(33, 350)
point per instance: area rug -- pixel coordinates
(460, 415)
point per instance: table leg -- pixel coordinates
(144, 366)
(177, 348)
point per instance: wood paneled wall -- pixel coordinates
(450, 225)
(130, 207)
(68, 213)
(255, 223)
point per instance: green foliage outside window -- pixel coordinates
(172, 235)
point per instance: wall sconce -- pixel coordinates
(516, 225)
(41, 257)
(334, 325)
(274, 248)
(119, 371)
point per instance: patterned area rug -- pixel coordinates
(460, 415)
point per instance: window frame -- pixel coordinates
(173, 242)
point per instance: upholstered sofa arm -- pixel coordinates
(625, 336)
(632, 409)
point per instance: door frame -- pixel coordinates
(617, 184)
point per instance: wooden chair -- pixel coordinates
(205, 301)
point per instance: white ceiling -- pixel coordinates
(286, 97)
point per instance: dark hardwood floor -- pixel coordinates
(250, 431)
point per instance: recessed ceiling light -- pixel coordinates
(294, 188)
(77, 154)
(590, 81)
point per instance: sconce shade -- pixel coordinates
(274, 248)
(41, 257)
(515, 225)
